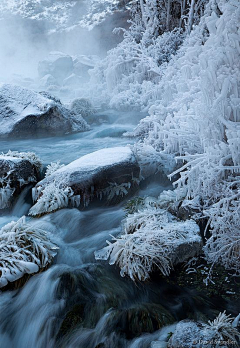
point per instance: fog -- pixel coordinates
(27, 38)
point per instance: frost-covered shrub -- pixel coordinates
(151, 237)
(50, 198)
(23, 249)
(133, 205)
(115, 189)
(221, 332)
(129, 76)
(196, 119)
(194, 111)
(53, 167)
(224, 326)
(224, 244)
(83, 107)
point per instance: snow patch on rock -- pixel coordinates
(23, 112)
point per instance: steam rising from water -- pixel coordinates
(29, 30)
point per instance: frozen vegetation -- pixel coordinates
(221, 332)
(62, 15)
(152, 238)
(23, 249)
(188, 80)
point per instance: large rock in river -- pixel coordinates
(57, 64)
(111, 172)
(25, 113)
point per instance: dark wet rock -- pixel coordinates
(96, 300)
(140, 319)
(17, 170)
(73, 319)
(110, 173)
(24, 113)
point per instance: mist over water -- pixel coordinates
(26, 39)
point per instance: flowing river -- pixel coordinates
(79, 302)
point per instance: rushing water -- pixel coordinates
(79, 302)
(70, 147)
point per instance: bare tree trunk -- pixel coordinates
(143, 13)
(190, 16)
(183, 8)
(168, 14)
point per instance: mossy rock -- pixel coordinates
(135, 321)
(73, 319)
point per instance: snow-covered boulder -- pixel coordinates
(17, 169)
(24, 113)
(57, 64)
(108, 172)
(82, 64)
(152, 239)
(47, 81)
(24, 250)
(72, 81)
(219, 333)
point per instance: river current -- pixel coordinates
(79, 302)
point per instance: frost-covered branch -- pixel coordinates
(49, 199)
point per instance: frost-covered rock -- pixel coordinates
(17, 169)
(48, 81)
(152, 238)
(107, 172)
(23, 250)
(25, 113)
(83, 107)
(57, 64)
(82, 64)
(218, 333)
(72, 81)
